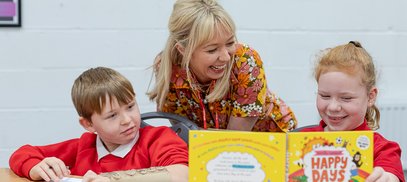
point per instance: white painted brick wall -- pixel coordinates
(61, 38)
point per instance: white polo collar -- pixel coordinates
(120, 151)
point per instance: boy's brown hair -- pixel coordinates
(90, 89)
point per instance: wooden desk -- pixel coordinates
(6, 175)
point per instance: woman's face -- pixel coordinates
(209, 61)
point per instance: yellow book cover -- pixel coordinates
(236, 156)
(330, 156)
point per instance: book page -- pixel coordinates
(67, 179)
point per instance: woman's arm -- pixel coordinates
(242, 124)
(178, 172)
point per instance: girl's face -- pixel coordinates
(209, 61)
(342, 100)
(117, 124)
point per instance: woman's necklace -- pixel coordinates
(204, 87)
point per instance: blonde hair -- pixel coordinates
(351, 58)
(192, 24)
(90, 89)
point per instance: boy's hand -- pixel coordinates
(50, 168)
(91, 176)
(379, 175)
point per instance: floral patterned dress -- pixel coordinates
(248, 96)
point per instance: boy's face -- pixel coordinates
(117, 124)
(342, 100)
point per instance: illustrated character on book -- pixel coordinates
(356, 159)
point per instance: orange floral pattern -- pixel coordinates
(248, 97)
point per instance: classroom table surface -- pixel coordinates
(6, 175)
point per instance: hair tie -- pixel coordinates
(355, 43)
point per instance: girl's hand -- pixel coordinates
(50, 168)
(379, 175)
(91, 176)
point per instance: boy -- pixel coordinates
(107, 108)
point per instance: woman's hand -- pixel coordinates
(91, 176)
(50, 168)
(242, 124)
(379, 175)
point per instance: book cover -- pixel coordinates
(232, 156)
(330, 156)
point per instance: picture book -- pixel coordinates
(238, 156)
(330, 156)
(227, 156)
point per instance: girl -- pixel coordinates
(346, 98)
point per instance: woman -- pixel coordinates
(203, 74)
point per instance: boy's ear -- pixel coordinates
(372, 96)
(180, 48)
(86, 124)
